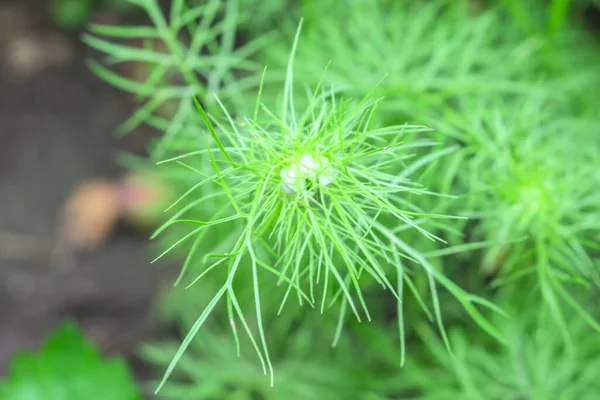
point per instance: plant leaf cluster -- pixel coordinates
(411, 163)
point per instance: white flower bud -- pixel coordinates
(293, 179)
(309, 167)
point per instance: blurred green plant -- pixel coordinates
(68, 367)
(559, 50)
(215, 368)
(535, 364)
(75, 14)
(191, 50)
(548, 17)
(418, 55)
(529, 179)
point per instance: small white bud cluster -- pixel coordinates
(308, 168)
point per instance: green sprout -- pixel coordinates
(316, 198)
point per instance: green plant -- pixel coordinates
(188, 52)
(320, 184)
(75, 14)
(530, 181)
(68, 367)
(553, 17)
(535, 364)
(215, 368)
(321, 200)
(418, 55)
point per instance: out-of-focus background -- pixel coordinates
(57, 149)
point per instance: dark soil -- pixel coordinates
(56, 131)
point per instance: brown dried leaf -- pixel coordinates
(89, 215)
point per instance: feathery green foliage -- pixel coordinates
(535, 364)
(214, 367)
(321, 189)
(428, 52)
(532, 176)
(318, 199)
(187, 51)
